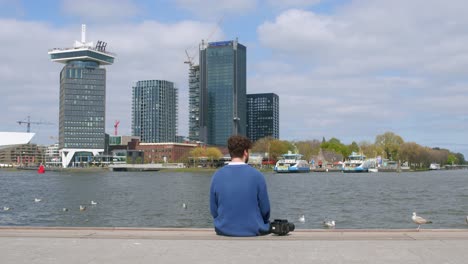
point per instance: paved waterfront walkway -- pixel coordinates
(153, 245)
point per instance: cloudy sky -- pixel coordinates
(344, 69)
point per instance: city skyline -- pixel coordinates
(344, 69)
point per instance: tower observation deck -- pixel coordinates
(84, 51)
(82, 112)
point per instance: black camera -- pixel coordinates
(281, 227)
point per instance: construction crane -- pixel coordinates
(29, 122)
(116, 125)
(190, 59)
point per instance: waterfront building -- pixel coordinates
(165, 152)
(22, 155)
(262, 116)
(222, 91)
(194, 103)
(82, 110)
(154, 111)
(11, 139)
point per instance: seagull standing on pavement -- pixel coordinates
(419, 220)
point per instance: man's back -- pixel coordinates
(239, 201)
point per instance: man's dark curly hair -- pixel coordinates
(237, 145)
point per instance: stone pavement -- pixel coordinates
(155, 245)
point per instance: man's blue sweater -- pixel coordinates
(239, 201)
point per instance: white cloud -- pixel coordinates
(292, 3)
(100, 10)
(212, 10)
(371, 66)
(149, 50)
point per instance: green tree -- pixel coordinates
(452, 159)
(390, 143)
(336, 146)
(354, 147)
(308, 148)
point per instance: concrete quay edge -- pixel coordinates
(209, 234)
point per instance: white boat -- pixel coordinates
(434, 166)
(292, 163)
(356, 163)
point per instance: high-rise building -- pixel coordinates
(262, 116)
(154, 111)
(194, 103)
(223, 91)
(82, 110)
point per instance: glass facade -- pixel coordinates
(223, 90)
(154, 111)
(262, 116)
(83, 53)
(82, 105)
(194, 103)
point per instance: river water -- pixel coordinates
(155, 199)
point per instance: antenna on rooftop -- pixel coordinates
(83, 33)
(82, 43)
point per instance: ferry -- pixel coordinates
(292, 163)
(356, 163)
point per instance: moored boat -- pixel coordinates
(355, 163)
(292, 163)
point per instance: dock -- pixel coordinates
(177, 245)
(145, 167)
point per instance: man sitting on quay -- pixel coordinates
(239, 200)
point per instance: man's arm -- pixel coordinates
(263, 200)
(213, 200)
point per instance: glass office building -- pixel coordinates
(82, 107)
(194, 103)
(154, 111)
(223, 91)
(262, 116)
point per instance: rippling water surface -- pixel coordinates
(154, 199)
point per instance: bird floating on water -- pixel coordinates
(301, 219)
(5, 208)
(329, 224)
(466, 219)
(184, 206)
(65, 209)
(419, 220)
(93, 202)
(37, 200)
(82, 207)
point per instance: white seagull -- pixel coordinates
(82, 207)
(65, 209)
(184, 206)
(302, 219)
(37, 200)
(93, 203)
(466, 219)
(5, 208)
(419, 220)
(329, 224)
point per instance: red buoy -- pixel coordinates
(41, 169)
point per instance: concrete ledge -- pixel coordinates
(177, 245)
(209, 234)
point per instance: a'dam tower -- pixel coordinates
(82, 112)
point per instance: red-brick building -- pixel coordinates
(164, 152)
